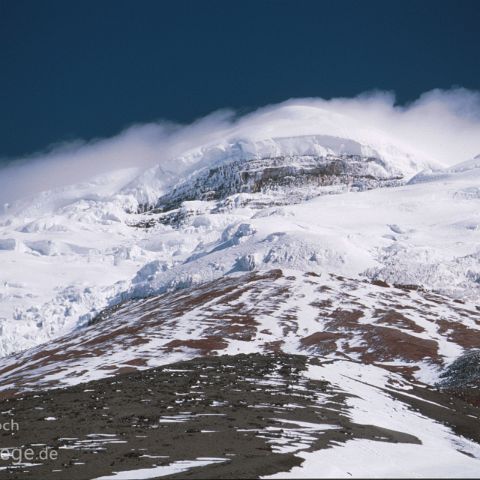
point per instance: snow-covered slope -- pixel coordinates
(360, 407)
(342, 265)
(413, 333)
(69, 253)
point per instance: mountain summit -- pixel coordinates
(303, 257)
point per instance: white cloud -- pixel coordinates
(443, 125)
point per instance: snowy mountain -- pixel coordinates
(248, 205)
(305, 237)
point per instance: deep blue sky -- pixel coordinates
(86, 69)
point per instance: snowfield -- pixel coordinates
(69, 253)
(361, 458)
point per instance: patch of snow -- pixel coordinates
(163, 470)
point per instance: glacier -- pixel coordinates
(309, 190)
